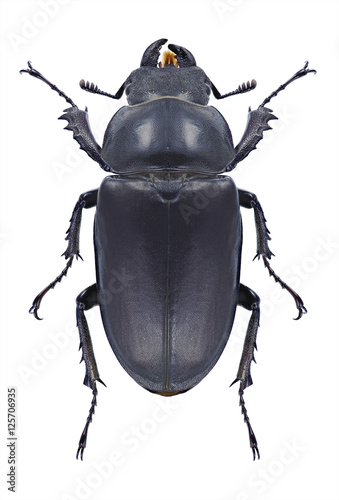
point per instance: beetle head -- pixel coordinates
(176, 75)
(176, 55)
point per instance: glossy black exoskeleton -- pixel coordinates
(168, 230)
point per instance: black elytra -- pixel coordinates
(168, 230)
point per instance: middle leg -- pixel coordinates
(249, 200)
(86, 200)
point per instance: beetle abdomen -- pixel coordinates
(168, 134)
(168, 274)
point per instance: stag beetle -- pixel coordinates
(169, 322)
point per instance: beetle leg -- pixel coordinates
(259, 118)
(33, 72)
(250, 301)
(86, 200)
(77, 118)
(257, 124)
(86, 300)
(302, 72)
(249, 200)
(78, 124)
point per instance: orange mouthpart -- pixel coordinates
(168, 57)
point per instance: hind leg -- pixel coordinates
(250, 301)
(86, 300)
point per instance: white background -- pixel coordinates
(196, 447)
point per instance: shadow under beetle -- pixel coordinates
(167, 268)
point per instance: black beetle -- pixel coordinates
(170, 317)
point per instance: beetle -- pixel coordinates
(167, 267)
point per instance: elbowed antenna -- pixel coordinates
(244, 87)
(93, 89)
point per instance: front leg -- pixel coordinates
(258, 120)
(249, 200)
(86, 200)
(77, 120)
(78, 123)
(257, 124)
